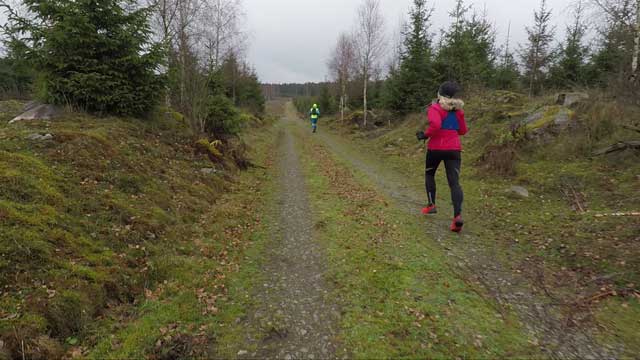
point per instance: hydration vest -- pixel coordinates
(451, 121)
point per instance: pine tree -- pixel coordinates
(452, 60)
(611, 56)
(467, 54)
(571, 65)
(93, 54)
(506, 75)
(326, 101)
(413, 85)
(536, 55)
(16, 75)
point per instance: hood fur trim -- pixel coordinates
(449, 104)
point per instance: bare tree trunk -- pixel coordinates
(534, 70)
(365, 101)
(636, 48)
(218, 30)
(370, 41)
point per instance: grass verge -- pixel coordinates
(190, 315)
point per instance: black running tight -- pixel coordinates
(452, 162)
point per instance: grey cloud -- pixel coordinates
(292, 39)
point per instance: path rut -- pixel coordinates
(295, 310)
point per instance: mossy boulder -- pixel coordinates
(555, 116)
(571, 98)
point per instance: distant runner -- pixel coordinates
(315, 114)
(446, 125)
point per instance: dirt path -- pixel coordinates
(295, 315)
(555, 333)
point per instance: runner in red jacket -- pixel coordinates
(446, 125)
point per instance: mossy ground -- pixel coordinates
(109, 232)
(555, 236)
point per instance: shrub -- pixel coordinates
(222, 117)
(499, 160)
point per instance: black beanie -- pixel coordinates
(449, 89)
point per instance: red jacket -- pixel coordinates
(445, 128)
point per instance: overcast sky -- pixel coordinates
(290, 40)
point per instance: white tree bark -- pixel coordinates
(636, 48)
(370, 42)
(341, 66)
(366, 82)
(221, 28)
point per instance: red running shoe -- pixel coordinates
(457, 224)
(430, 210)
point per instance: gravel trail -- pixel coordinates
(295, 315)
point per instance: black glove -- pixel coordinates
(420, 135)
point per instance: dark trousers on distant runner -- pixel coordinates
(452, 162)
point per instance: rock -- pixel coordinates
(562, 118)
(209, 171)
(38, 112)
(507, 97)
(518, 191)
(30, 105)
(568, 99)
(243, 353)
(38, 137)
(558, 116)
(534, 117)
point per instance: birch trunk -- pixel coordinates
(636, 48)
(365, 101)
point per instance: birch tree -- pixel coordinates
(341, 67)
(222, 30)
(370, 42)
(636, 46)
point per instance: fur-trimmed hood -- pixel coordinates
(450, 104)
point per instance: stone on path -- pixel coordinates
(38, 137)
(519, 191)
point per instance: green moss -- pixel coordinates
(621, 319)
(10, 109)
(26, 179)
(550, 114)
(205, 147)
(69, 312)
